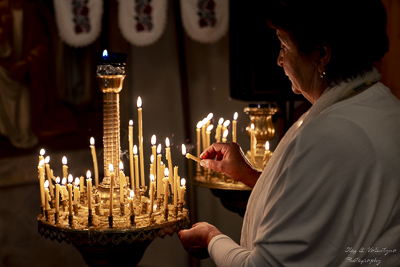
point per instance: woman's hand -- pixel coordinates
(229, 159)
(196, 239)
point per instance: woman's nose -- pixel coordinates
(280, 60)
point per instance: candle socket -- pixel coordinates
(166, 214)
(90, 218)
(56, 217)
(144, 207)
(180, 206)
(158, 201)
(151, 218)
(46, 212)
(71, 220)
(53, 203)
(132, 217)
(122, 209)
(75, 206)
(110, 221)
(176, 211)
(64, 204)
(97, 208)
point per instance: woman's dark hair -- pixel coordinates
(355, 31)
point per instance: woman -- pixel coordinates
(329, 195)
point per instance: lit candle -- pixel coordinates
(234, 125)
(41, 182)
(151, 164)
(209, 117)
(49, 176)
(183, 190)
(267, 153)
(218, 131)
(154, 152)
(130, 199)
(69, 186)
(203, 133)
(175, 186)
(225, 126)
(89, 189)
(82, 184)
(64, 192)
(77, 194)
(95, 165)
(169, 159)
(166, 188)
(152, 189)
(112, 177)
(65, 167)
(159, 174)
(46, 195)
(189, 156)
(198, 147)
(208, 133)
(131, 154)
(136, 167)
(225, 136)
(140, 126)
(121, 182)
(41, 154)
(57, 207)
(252, 136)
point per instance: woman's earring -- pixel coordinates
(322, 74)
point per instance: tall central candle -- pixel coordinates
(136, 167)
(166, 188)
(41, 182)
(89, 190)
(121, 182)
(154, 152)
(159, 174)
(112, 177)
(49, 176)
(69, 186)
(234, 126)
(132, 171)
(140, 126)
(95, 165)
(169, 159)
(198, 147)
(65, 167)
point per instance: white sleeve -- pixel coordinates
(225, 252)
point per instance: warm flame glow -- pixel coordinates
(159, 149)
(151, 158)
(235, 116)
(199, 124)
(88, 174)
(135, 149)
(58, 180)
(64, 160)
(41, 162)
(210, 127)
(204, 121)
(252, 126)
(46, 184)
(210, 116)
(91, 141)
(226, 123)
(221, 120)
(267, 145)
(105, 53)
(183, 182)
(70, 178)
(153, 140)
(132, 194)
(64, 181)
(225, 134)
(111, 167)
(152, 177)
(130, 122)
(167, 142)
(183, 149)
(42, 152)
(121, 165)
(47, 160)
(139, 102)
(77, 180)
(166, 172)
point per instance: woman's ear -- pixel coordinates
(325, 56)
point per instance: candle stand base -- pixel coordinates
(110, 221)
(133, 224)
(46, 212)
(71, 221)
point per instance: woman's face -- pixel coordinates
(301, 68)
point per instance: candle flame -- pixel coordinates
(121, 165)
(46, 184)
(199, 124)
(88, 174)
(64, 160)
(132, 194)
(111, 167)
(152, 158)
(42, 152)
(77, 180)
(105, 53)
(58, 180)
(130, 122)
(183, 149)
(226, 123)
(153, 140)
(267, 145)
(159, 149)
(135, 149)
(205, 120)
(152, 177)
(139, 102)
(221, 120)
(252, 126)
(64, 181)
(210, 116)
(166, 172)
(183, 182)
(225, 134)
(70, 178)
(210, 127)
(235, 116)
(91, 141)
(41, 162)
(47, 160)
(167, 142)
